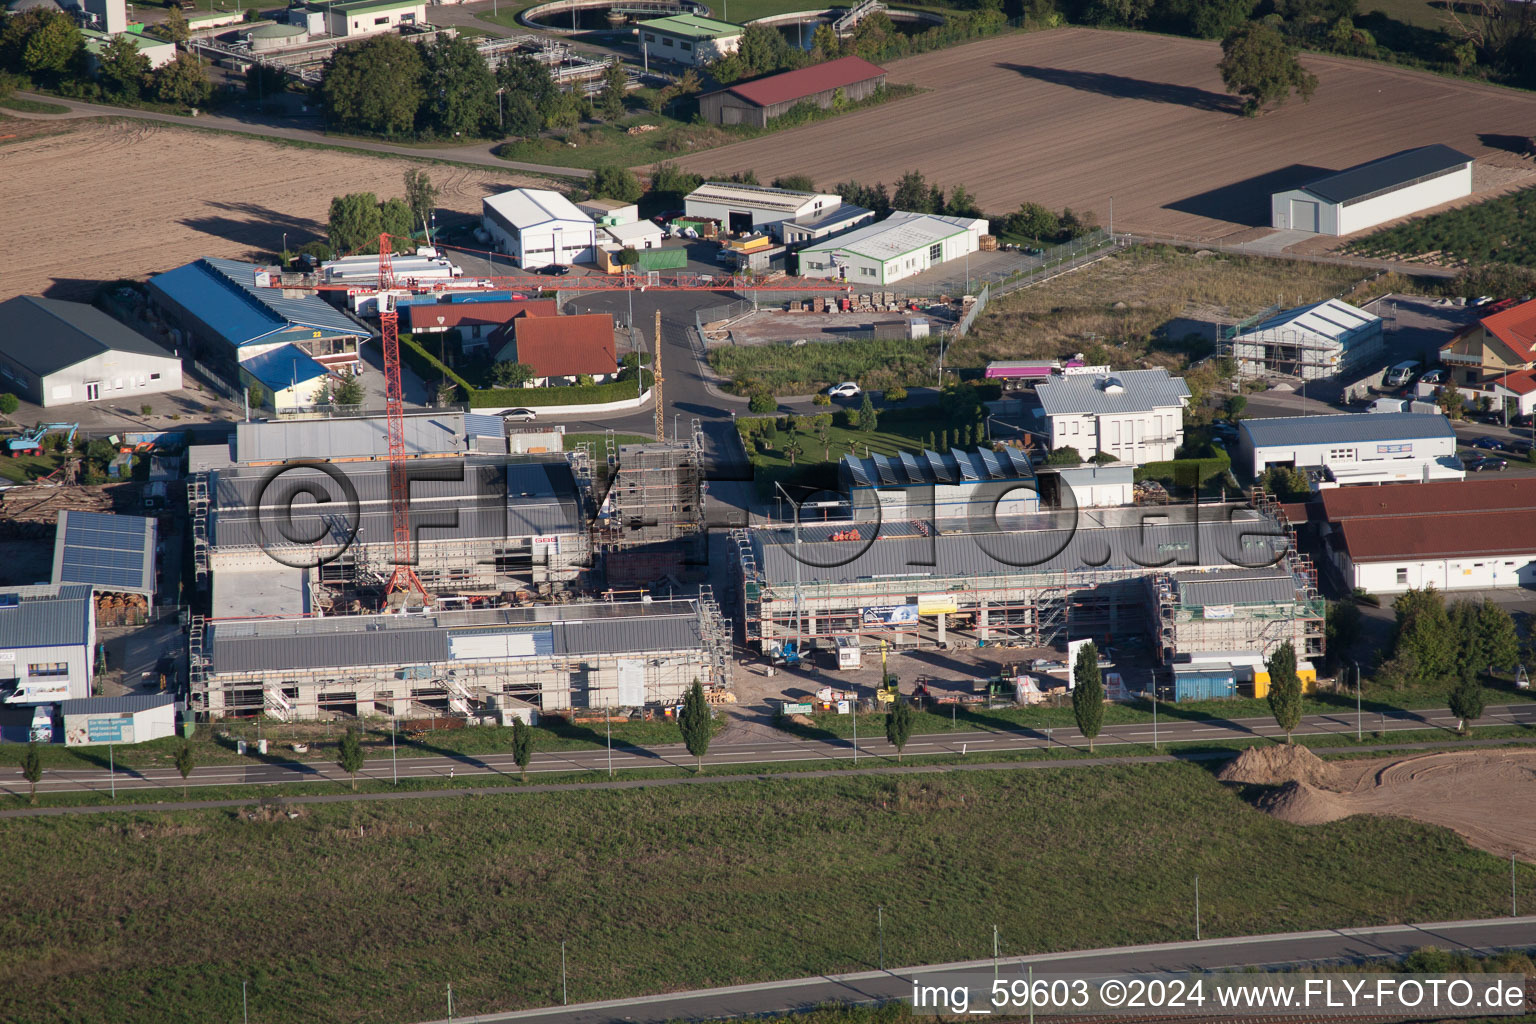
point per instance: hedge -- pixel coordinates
(1179, 470)
(431, 368)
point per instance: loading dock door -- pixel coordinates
(1304, 215)
(739, 223)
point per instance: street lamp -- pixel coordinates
(1359, 726)
(799, 637)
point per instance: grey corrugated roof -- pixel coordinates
(930, 467)
(45, 616)
(1345, 428)
(485, 497)
(1142, 391)
(46, 335)
(364, 640)
(111, 552)
(1246, 539)
(1236, 586)
(479, 424)
(1366, 180)
(1085, 476)
(128, 704)
(841, 214)
(433, 433)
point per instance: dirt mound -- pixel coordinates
(1301, 804)
(1276, 764)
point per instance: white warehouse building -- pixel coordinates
(1373, 193)
(1135, 415)
(902, 245)
(1355, 447)
(538, 227)
(1310, 342)
(60, 353)
(743, 208)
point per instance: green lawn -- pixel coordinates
(366, 912)
(27, 467)
(1421, 13)
(907, 431)
(597, 441)
(26, 106)
(785, 369)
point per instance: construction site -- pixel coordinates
(650, 525)
(1104, 574)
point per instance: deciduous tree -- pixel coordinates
(460, 89)
(123, 67)
(353, 223)
(32, 769)
(898, 722)
(1424, 635)
(1284, 688)
(613, 182)
(397, 220)
(183, 81)
(795, 183)
(353, 98)
(615, 85)
(511, 375)
(1088, 693)
(349, 754)
(1258, 64)
(912, 195)
(420, 195)
(1466, 701)
(184, 761)
(696, 723)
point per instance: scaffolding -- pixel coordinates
(655, 492)
(197, 506)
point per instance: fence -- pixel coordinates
(971, 314)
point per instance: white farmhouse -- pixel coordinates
(1135, 415)
(898, 247)
(538, 227)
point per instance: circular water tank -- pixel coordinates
(273, 36)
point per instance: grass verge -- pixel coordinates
(367, 911)
(25, 106)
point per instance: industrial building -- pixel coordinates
(351, 19)
(559, 349)
(1135, 415)
(846, 79)
(1373, 193)
(112, 554)
(688, 38)
(60, 353)
(1310, 342)
(1501, 342)
(605, 655)
(1236, 609)
(538, 227)
(286, 379)
(1073, 574)
(222, 312)
(814, 227)
(1475, 534)
(893, 249)
(650, 523)
(1355, 448)
(158, 52)
(297, 516)
(47, 643)
(742, 209)
(135, 718)
(980, 485)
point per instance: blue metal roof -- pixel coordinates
(284, 367)
(1345, 428)
(224, 295)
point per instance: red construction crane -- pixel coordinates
(404, 577)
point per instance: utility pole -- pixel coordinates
(880, 918)
(245, 1007)
(1359, 721)
(112, 776)
(564, 997)
(855, 727)
(608, 721)
(450, 1002)
(656, 379)
(394, 765)
(994, 954)
(1154, 716)
(1512, 910)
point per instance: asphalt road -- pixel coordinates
(1334, 945)
(275, 769)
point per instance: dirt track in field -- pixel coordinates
(88, 201)
(1074, 116)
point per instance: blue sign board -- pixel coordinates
(109, 730)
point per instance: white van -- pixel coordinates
(1400, 374)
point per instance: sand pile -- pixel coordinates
(1276, 764)
(1301, 804)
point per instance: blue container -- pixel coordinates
(1204, 683)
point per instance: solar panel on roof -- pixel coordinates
(913, 470)
(966, 467)
(108, 551)
(887, 472)
(989, 460)
(940, 469)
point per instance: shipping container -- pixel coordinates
(1203, 682)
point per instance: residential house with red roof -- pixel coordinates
(1496, 355)
(760, 101)
(474, 322)
(559, 349)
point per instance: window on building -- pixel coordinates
(650, 38)
(381, 21)
(867, 271)
(48, 668)
(154, 376)
(936, 252)
(291, 692)
(686, 45)
(1402, 575)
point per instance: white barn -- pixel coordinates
(1355, 447)
(538, 227)
(1135, 415)
(743, 208)
(1310, 342)
(59, 353)
(902, 245)
(1373, 193)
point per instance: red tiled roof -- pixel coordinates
(1438, 500)
(461, 314)
(1521, 382)
(1515, 327)
(797, 85)
(565, 346)
(1393, 538)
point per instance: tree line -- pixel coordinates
(1449, 646)
(44, 48)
